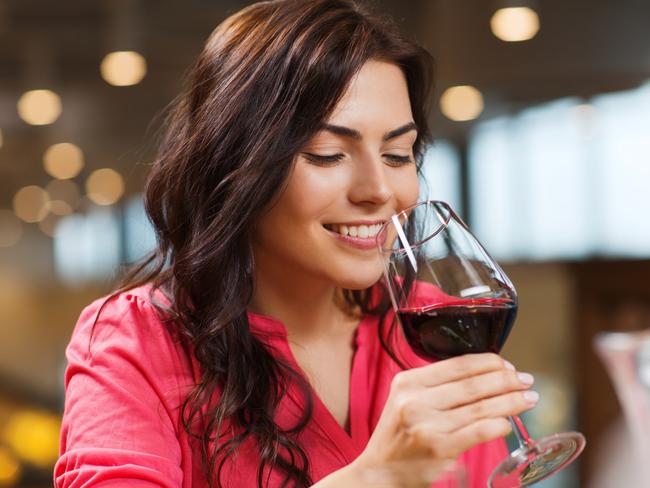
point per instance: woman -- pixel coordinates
(253, 348)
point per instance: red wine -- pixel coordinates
(459, 327)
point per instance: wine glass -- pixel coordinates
(451, 298)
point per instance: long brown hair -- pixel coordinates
(267, 77)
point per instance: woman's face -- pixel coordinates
(352, 175)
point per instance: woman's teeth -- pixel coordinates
(363, 231)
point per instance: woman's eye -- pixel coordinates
(323, 158)
(394, 158)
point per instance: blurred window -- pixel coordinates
(564, 180)
(140, 237)
(87, 247)
(441, 174)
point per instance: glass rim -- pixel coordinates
(443, 225)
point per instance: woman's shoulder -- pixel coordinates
(120, 312)
(129, 323)
(125, 380)
(145, 296)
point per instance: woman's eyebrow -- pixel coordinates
(355, 134)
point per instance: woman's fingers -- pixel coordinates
(421, 409)
(480, 431)
(416, 404)
(436, 412)
(501, 406)
(475, 388)
(449, 445)
(449, 370)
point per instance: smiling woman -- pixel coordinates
(253, 346)
(359, 185)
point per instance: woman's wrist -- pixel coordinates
(411, 474)
(350, 476)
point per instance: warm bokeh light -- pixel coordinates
(460, 103)
(59, 207)
(123, 68)
(49, 223)
(63, 161)
(39, 107)
(10, 469)
(64, 191)
(105, 186)
(515, 24)
(11, 228)
(1, 138)
(31, 203)
(34, 437)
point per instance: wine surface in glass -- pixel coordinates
(459, 327)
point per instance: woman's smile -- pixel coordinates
(357, 234)
(356, 229)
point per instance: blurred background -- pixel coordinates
(542, 122)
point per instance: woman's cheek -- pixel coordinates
(406, 187)
(313, 190)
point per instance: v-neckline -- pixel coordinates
(350, 445)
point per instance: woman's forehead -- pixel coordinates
(378, 94)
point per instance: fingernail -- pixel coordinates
(526, 378)
(509, 365)
(531, 396)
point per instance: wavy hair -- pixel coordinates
(266, 79)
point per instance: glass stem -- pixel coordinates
(520, 431)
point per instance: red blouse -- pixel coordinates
(121, 421)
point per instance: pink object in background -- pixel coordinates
(626, 356)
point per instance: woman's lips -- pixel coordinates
(359, 242)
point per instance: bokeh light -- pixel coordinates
(34, 437)
(49, 223)
(59, 207)
(39, 107)
(461, 103)
(515, 24)
(31, 203)
(10, 469)
(63, 194)
(63, 160)
(11, 228)
(123, 68)
(105, 186)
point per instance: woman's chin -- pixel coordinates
(359, 282)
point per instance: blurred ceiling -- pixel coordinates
(584, 47)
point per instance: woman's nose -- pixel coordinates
(370, 183)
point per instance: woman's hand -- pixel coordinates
(436, 412)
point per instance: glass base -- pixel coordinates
(538, 460)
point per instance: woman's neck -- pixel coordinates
(310, 309)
